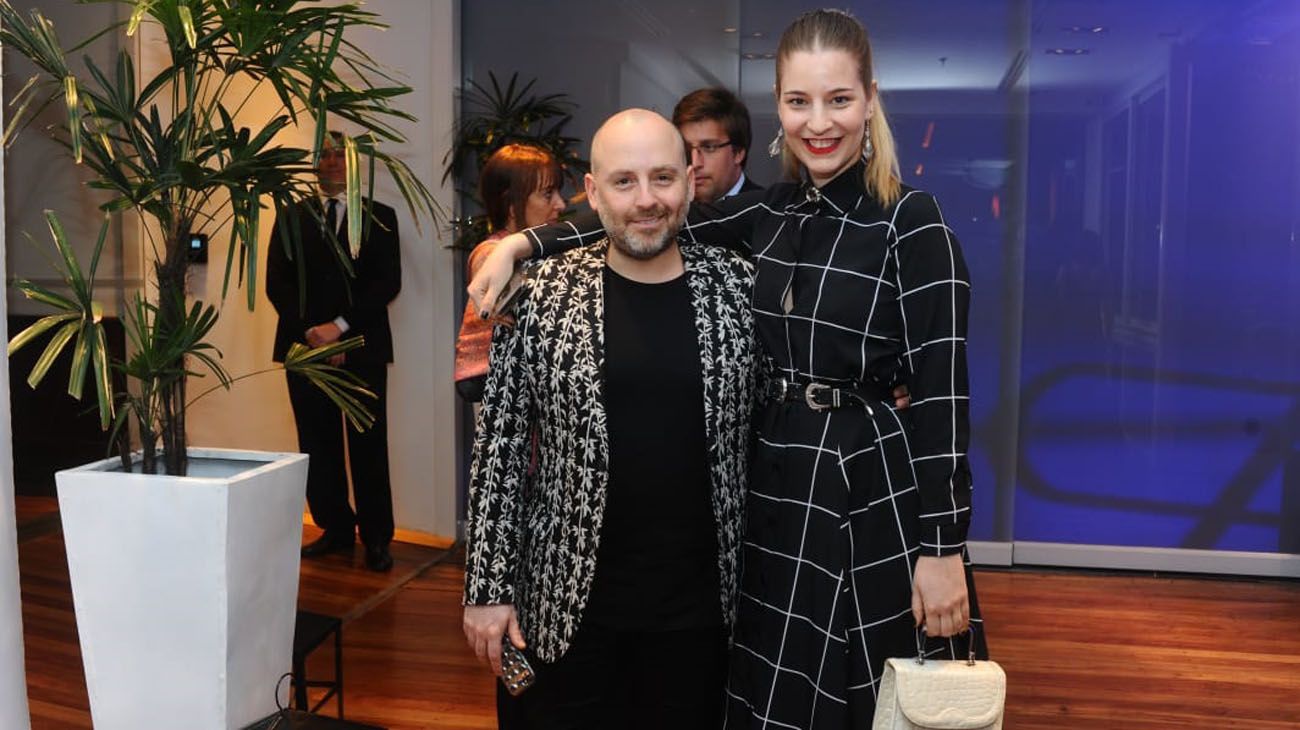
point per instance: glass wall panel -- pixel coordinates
(1160, 333)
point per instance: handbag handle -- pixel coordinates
(970, 649)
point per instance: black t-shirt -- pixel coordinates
(657, 565)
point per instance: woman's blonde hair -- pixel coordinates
(836, 30)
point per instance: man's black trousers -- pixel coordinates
(625, 679)
(321, 436)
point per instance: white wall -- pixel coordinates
(420, 46)
(423, 43)
(13, 687)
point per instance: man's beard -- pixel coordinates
(638, 246)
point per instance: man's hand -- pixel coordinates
(495, 273)
(485, 625)
(323, 334)
(939, 598)
(337, 360)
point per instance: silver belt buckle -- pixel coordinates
(810, 394)
(785, 389)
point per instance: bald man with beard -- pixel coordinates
(615, 565)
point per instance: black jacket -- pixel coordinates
(378, 279)
(531, 540)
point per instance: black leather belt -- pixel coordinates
(823, 396)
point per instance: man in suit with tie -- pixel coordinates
(715, 125)
(331, 308)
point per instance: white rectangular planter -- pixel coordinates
(185, 588)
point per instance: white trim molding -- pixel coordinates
(1178, 560)
(987, 552)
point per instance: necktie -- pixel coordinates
(332, 216)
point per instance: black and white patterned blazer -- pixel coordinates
(531, 540)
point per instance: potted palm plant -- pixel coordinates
(184, 561)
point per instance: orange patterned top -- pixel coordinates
(475, 338)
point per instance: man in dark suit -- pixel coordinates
(715, 125)
(335, 308)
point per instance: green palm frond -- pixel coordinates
(79, 321)
(39, 328)
(159, 352)
(342, 387)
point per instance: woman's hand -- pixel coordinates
(495, 272)
(902, 398)
(485, 625)
(939, 599)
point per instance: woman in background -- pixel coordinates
(520, 188)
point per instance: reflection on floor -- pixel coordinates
(1081, 650)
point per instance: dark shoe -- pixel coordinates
(328, 543)
(378, 558)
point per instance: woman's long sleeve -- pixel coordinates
(934, 296)
(728, 222)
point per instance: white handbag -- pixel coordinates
(916, 694)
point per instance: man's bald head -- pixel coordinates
(640, 182)
(635, 128)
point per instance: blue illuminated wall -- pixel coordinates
(1127, 198)
(1159, 366)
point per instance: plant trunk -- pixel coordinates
(148, 452)
(123, 446)
(173, 428)
(171, 313)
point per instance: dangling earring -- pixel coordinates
(867, 149)
(774, 149)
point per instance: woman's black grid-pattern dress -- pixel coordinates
(842, 502)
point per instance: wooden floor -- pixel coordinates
(1081, 650)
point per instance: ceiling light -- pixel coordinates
(729, 30)
(1067, 51)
